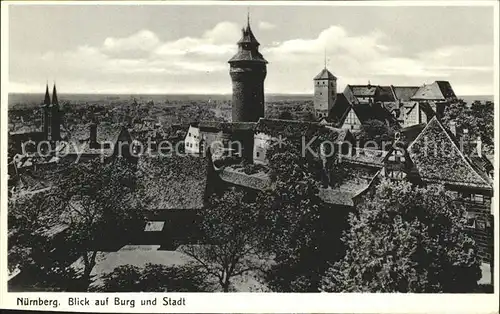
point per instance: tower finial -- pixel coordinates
(324, 56)
(248, 16)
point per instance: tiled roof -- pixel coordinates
(248, 36)
(367, 112)
(404, 93)
(363, 156)
(385, 94)
(174, 182)
(248, 55)
(340, 108)
(325, 75)
(363, 90)
(446, 163)
(439, 90)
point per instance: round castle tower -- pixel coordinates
(248, 71)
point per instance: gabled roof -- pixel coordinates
(367, 157)
(385, 94)
(339, 108)
(363, 90)
(366, 112)
(439, 90)
(437, 158)
(325, 75)
(404, 93)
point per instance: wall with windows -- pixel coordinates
(260, 145)
(352, 122)
(192, 141)
(325, 94)
(479, 220)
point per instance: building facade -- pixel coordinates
(325, 93)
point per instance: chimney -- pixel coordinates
(93, 136)
(479, 146)
(453, 127)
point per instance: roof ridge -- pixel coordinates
(435, 120)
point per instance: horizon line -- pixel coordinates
(197, 94)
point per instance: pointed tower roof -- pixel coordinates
(248, 46)
(54, 96)
(248, 36)
(46, 101)
(325, 75)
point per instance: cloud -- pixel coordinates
(266, 25)
(138, 44)
(355, 59)
(143, 62)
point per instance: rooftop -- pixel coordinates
(325, 75)
(437, 157)
(439, 90)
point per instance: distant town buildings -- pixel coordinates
(413, 111)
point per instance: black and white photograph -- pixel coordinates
(249, 147)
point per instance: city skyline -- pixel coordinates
(184, 49)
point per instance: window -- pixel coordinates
(321, 93)
(478, 198)
(471, 220)
(257, 154)
(189, 134)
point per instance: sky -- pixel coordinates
(184, 49)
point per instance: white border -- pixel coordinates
(257, 302)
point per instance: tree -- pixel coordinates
(230, 239)
(154, 278)
(104, 206)
(289, 215)
(31, 219)
(477, 119)
(406, 239)
(377, 131)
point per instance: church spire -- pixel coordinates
(54, 95)
(46, 101)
